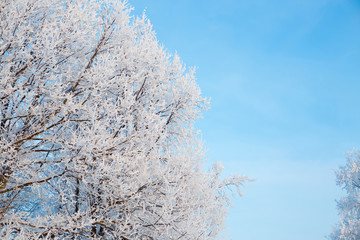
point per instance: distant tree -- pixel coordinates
(348, 177)
(96, 129)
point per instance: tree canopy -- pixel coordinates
(348, 177)
(96, 129)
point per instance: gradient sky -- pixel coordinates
(283, 77)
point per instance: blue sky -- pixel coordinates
(283, 77)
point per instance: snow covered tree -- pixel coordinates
(348, 177)
(96, 129)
